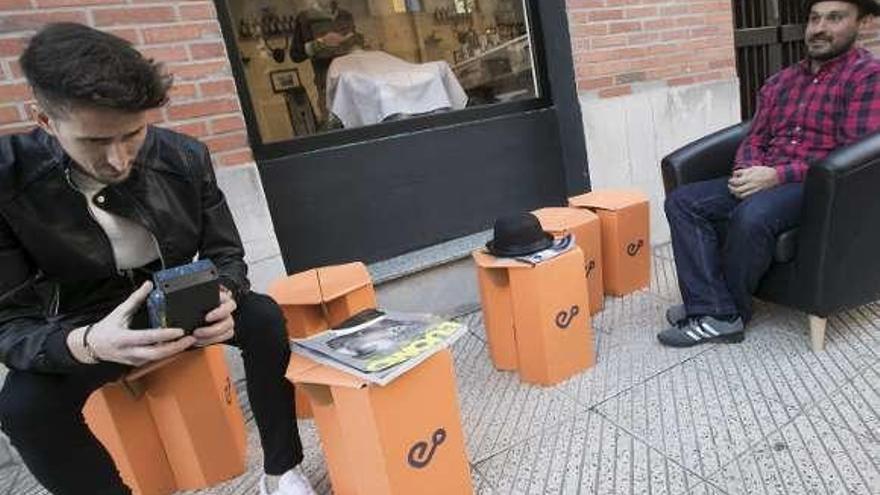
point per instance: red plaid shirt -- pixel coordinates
(804, 116)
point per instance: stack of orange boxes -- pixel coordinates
(537, 316)
(584, 226)
(175, 425)
(321, 298)
(401, 438)
(626, 248)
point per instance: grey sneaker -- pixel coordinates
(702, 330)
(676, 315)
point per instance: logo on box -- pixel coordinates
(419, 454)
(564, 318)
(634, 247)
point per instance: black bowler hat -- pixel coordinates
(518, 235)
(868, 6)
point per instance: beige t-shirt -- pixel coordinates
(133, 245)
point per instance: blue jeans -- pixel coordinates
(723, 245)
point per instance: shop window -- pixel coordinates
(318, 66)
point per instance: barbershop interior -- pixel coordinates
(318, 66)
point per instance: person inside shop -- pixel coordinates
(828, 100)
(92, 202)
(321, 33)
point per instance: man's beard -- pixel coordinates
(833, 52)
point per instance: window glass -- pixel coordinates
(315, 66)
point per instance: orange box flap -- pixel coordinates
(560, 219)
(486, 260)
(297, 289)
(304, 370)
(339, 280)
(609, 199)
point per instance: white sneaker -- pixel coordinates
(292, 482)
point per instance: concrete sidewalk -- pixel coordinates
(765, 416)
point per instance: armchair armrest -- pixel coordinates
(706, 158)
(839, 237)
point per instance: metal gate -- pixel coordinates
(769, 35)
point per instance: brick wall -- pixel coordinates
(184, 34)
(618, 44)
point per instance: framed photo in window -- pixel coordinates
(283, 80)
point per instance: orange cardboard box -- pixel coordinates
(125, 426)
(400, 439)
(195, 408)
(181, 430)
(320, 298)
(626, 240)
(536, 317)
(584, 225)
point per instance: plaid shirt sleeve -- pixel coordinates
(862, 117)
(862, 110)
(751, 151)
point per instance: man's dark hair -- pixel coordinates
(69, 64)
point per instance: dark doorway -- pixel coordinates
(769, 35)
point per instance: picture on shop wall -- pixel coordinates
(283, 80)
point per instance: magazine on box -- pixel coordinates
(558, 247)
(382, 348)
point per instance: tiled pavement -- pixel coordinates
(765, 416)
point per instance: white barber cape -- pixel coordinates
(366, 87)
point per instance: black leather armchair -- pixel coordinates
(832, 261)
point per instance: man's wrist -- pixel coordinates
(78, 349)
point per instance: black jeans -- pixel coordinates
(42, 413)
(723, 246)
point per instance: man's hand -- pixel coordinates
(221, 326)
(748, 181)
(333, 39)
(111, 339)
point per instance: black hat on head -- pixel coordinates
(867, 6)
(518, 235)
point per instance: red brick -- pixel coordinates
(11, 47)
(202, 108)
(133, 15)
(166, 53)
(200, 70)
(195, 129)
(34, 20)
(226, 142)
(213, 49)
(14, 93)
(239, 157)
(9, 114)
(227, 124)
(14, 4)
(130, 34)
(197, 12)
(183, 91)
(75, 3)
(615, 91)
(223, 87)
(181, 32)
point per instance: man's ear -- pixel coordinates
(866, 22)
(41, 118)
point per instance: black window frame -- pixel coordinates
(342, 137)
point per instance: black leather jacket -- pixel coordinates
(57, 269)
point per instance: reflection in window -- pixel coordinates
(316, 66)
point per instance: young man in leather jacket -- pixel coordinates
(91, 203)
